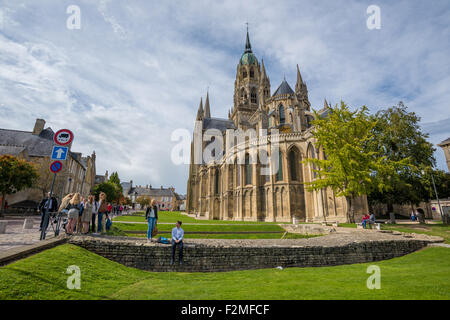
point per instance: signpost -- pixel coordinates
(63, 139)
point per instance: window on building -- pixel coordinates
(252, 73)
(216, 182)
(238, 178)
(253, 96)
(248, 170)
(282, 114)
(293, 164)
(280, 167)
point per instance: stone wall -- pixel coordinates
(212, 258)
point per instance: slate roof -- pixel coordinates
(445, 142)
(153, 192)
(99, 179)
(12, 150)
(216, 123)
(284, 88)
(36, 145)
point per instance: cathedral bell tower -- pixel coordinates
(246, 86)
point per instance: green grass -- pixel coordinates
(429, 229)
(174, 216)
(421, 275)
(124, 228)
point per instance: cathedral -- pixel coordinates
(228, 189)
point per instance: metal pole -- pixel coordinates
(437, 197)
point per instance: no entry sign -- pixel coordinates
(63, 137)
(56, 166)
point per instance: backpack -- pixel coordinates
(163, 240)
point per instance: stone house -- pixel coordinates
(78, 172)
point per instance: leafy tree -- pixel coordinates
(111, 190)
(397, 136)
(143, 201)
(114, 178)
(349, 168)
(15, 175)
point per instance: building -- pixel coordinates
(445, 145)
(78, 172)
(230, 190)
(166, 198)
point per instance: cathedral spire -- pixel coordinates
(207, 111)
(299, 76)
(248, 46)
(325, 104)
(200, 110)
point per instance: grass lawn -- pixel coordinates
(122, 228)
(174, 216)
(429, 229)
(421, 275)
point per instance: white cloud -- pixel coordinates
(135, 71)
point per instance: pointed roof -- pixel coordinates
(200, 110)
(207, 110)
(325, 104)
(248, 46)
(284, 88)
(299, 76)
(263, 71)
(444, 143)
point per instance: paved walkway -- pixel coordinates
(16, 236)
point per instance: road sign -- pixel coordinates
(56, 166)
(59, 153)
(63, 137)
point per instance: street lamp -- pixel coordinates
(435, 191)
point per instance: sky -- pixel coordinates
(134, 72)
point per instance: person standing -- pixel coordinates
(151, 215)
(49, 204)
(94, 215)
(74, 212)
(102, 213)
(86, 217)
(177, 240)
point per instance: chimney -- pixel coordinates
(161, 187)
(38, 126)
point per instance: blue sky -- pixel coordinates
(136, 70)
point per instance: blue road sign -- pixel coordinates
(59, 153)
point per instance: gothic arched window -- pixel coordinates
(282, 114)
(253, 96)
(280, 167)
(248, 170)
(252, 73)
(216, 182)
(293, 162)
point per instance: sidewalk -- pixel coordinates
(16, 236)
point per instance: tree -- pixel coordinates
(15, 175)
(110, 189)
(349, 168)
(143, 201)
(397, 136)
(114, 178)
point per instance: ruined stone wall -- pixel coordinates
(211, 258)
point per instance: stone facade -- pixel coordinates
(229, 190)
(445, 145)
(229, 255)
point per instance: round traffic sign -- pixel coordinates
(56, 166)
(63, 137)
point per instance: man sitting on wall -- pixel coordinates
(177, 239)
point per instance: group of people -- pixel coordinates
(368, 219)
(151, 215)
(84, 214)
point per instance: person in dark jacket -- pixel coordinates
(49, 204)
(151, 215)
